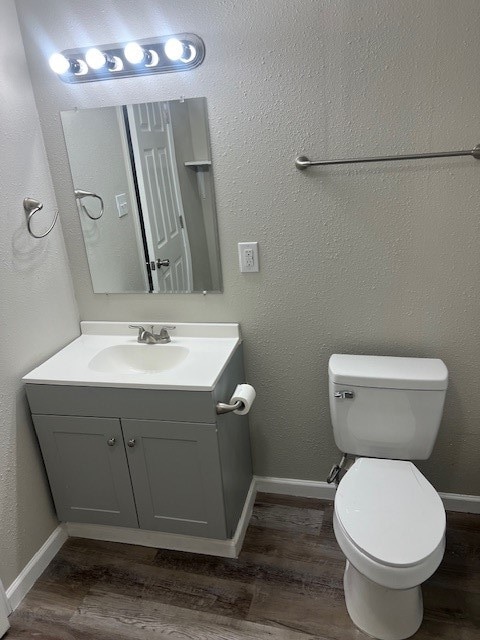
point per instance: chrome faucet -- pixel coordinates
(150, 337)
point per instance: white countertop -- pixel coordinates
(210, 347)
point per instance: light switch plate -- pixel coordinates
(122, 204)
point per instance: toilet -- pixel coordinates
(388, 519)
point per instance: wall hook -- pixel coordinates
(31, 206)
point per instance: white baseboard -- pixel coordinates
(5, 608)
(325, 491)
(34, 569)
(299, 488)
(5, 611)
(229, 548)
(244, 521)
(459, 502)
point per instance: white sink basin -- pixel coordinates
(134, 358)
(107, 354)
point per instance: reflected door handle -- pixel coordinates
(163, 263)
(131, 442)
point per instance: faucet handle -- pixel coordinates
(164, 337)
(140, 329)
(163, 328)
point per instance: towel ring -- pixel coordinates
(80, 193)
(31, 207)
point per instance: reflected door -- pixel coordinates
(154, 155)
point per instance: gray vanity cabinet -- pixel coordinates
(87, 469)
(176, 476)
(159, 460)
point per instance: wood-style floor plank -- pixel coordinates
(165, 584)
(320, 613)
(131, 617)
(285, 518)
(287, 584)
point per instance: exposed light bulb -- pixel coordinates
(95, 58)
(59, 63)
(177, 50)
(134, 53)
(174, 49)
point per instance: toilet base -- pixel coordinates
(386, 614)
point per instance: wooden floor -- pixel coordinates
(286, 584)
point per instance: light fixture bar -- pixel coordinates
(157, 58)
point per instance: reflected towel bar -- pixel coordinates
(81, 193)
(302, 162)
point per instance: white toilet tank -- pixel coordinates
(386, 407)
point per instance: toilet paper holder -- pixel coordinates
(224, 407)
(240, 402)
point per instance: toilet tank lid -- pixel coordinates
(388, 372)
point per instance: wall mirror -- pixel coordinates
(143, 181)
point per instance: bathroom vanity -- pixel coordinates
(130, 435)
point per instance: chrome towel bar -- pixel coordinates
(302, 162)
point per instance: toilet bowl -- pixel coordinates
(390, 523)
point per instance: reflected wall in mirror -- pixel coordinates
(143, 182)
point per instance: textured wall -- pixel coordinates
(369, 259)
(37, 309)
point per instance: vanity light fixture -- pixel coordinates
(178, 52)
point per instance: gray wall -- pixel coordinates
(369, 259)
(37, 309)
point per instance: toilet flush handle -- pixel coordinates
(344, 395)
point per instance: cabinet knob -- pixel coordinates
(131, 442)
(111, 441)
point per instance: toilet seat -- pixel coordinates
(390, 512)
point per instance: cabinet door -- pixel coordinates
(87, 469)
(175, 470)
